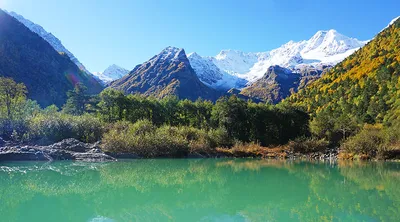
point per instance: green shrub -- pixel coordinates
(87, 128)
(199, 140)
(308, 145)
(219, 138)
(369, 141)
(171, 142)
(146, 140)
(50, 128)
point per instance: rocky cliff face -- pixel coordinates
(168, 73)
(28, 58)
(279, 83)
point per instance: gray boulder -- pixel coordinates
(93, 157)
(71, 145)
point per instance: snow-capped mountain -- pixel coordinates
(324, 48)
(112, 73)
(165, 74)
(50, 38)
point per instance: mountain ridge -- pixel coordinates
(28, 58)
(165, 74)
(364, 86)
(49, 37)
(323, 48)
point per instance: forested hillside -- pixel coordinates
(357, 103)
(365, 85)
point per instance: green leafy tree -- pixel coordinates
(112, 104)
(77, 100)
(231, 114)
(12, 94)
(346, 125)
(14, 108)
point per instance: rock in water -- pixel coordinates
(71, 145)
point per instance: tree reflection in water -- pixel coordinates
(200, 190)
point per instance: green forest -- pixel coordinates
(145, 125)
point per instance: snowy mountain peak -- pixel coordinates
(323, 33)
(171, 49)
(330, 42)
(324, 48)
(113, 66)
(232, 53)
(194, 55)
(112, 73)
(115, 70)
(172, 53)
(319, 35)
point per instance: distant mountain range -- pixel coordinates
(269, 76)
(235, 69)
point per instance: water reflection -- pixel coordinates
(200, 190)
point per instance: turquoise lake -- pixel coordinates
(199, 190)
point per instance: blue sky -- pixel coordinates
(128, 32)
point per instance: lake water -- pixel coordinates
(199, 190)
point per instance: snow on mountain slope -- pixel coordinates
(395, 19)
(50, 38)
(391, 22)
(112, 73)
(327, 44)
(324, 48)
(213, 76)
(210, 72)
(233, 61)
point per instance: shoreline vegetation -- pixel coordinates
(148, 127)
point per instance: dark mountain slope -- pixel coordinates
(168, 73)
(279, 83)
(27, 58)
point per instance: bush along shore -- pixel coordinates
(73, 149)
(111, 126)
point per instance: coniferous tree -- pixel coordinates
(77, 100)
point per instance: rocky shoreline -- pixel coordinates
(68, 149)
(72, 149)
